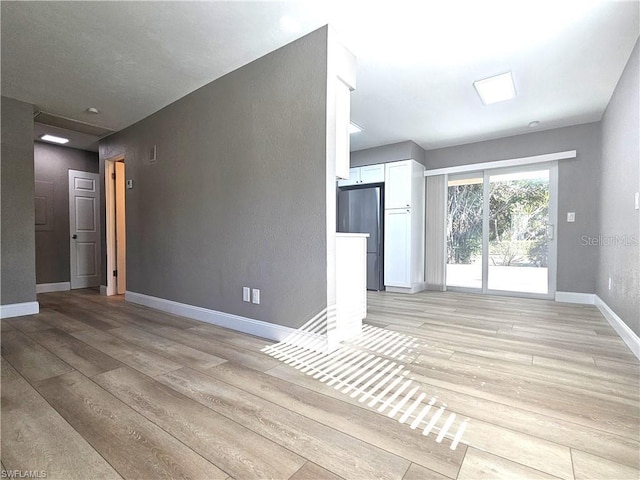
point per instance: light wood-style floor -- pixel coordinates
(93, 387)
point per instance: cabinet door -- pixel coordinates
(354, 178)
(397, 247)
(372, 174)
(398, 185)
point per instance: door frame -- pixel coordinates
(110, 216)
(553, 224)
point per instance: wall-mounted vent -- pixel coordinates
(70, 124)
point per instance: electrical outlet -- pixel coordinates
(609, 283)
(246, 294)
(571, 216)
(256, 296)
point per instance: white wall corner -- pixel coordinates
(53, 287)
(575, 297)
(258, 328)
(19, 309)
(628, 336)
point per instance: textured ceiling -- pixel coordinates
(417, 60)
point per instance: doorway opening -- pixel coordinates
(115, 196)
(500, 231)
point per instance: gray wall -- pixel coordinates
(18, 237)
(578, 181)
(388, 153)
(52, 164)
(238, 194)
(620, 179)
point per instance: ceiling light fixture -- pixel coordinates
(534, 124)
(52, 138)
(92, 110)
(496, 89)
(353, 128)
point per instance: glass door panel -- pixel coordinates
(518, 224)
(464, 230)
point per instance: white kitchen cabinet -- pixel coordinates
(372, 174)
(397, 247)
(364, 175)
(398, 184)
(404, 227)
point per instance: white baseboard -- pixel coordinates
(626, 334)
(53, 287)
(258, 328)
(415, 288)
(575, 297)
(19, 309)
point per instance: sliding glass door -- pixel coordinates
(464, 230)
(500, 231)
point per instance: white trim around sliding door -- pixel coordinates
(514, 162)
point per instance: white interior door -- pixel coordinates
(84, 228)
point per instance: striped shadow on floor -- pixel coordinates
(372, 368)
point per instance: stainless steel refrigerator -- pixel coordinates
(360, 210)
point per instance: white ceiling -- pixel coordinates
(417, 60)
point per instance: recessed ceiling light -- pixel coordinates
(289, 24)
(93, 110)
(353, 128)
(534, 124)
(54, 139)
(496, 89)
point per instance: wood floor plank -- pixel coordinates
(61, 321)
(27, 324)
(519, 419)
(479, 465)
(416, 472)
(550, 374)
(9, 374)
(592, 467)
(173, 350)
(30, 359)
(330, 449)
(311, 471)
(78, 354)
(529, 451)
(555, 401)
(133, 445)
(5, 326)
(88, 317)
(130, 354)
(207, 341)
(345, 416)
(237, 450)
(35, 437)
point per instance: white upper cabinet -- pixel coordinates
(398, 184)
(372, 174)
(364, 175)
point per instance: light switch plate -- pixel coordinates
(256, 296)
(246, 294)
(571, 216)
(637, 201)
(129, 184)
